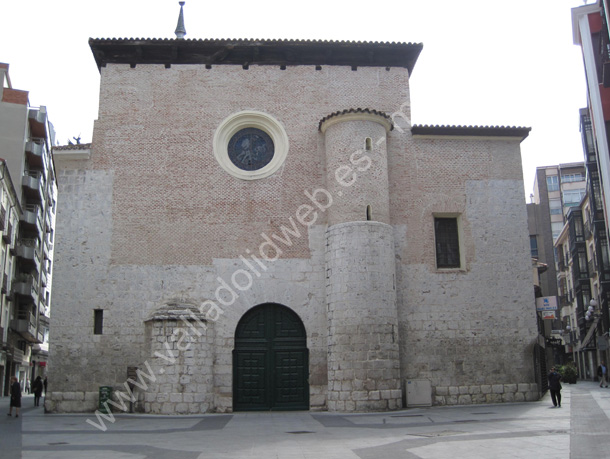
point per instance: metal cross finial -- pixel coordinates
(180, 30)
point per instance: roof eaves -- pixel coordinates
(471, 131)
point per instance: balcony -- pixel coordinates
(38, 122)
(27, 252)
(34, 153)
(31, 220)
(26, 287)
(25, 325)
(33, 186)
(7, 234)
(44, 320)
(588, 230)
(592, 268)
(586, 130)
(48, 218)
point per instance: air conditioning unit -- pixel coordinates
(419, 393)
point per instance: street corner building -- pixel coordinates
(257, 225)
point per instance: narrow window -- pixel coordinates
(368, 144)
(369, 213)
(447, 243)
(534, 246)
(98, 321)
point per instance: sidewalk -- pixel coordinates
(10, 438)
(579, 429)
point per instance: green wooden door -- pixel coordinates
(270, 361)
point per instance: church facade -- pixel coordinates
(257, 225)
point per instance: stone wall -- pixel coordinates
(363, 363)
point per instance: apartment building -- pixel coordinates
(557, 189)
(26, 140)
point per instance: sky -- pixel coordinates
(484, 62)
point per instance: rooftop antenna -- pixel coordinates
(180, 30)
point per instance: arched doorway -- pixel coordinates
(270, 361)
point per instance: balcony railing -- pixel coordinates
(38, 122)
(25, 325)
(28, 253)
(44, 320)
(33, 185)
(35, 152)
(31, 219)
(26, 287)
(43, 277)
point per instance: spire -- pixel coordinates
(180, 30)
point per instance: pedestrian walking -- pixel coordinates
(554, 379)
(37, 389)
(15, 397)
(45, 386)
(602, 372)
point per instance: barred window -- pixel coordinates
(447, 242)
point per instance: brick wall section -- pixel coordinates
(15, 96)
(169, 117)
(357, 178)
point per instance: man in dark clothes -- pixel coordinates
(15, 397)
(555, 387)
(37, 388)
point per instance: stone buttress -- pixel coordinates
(363, 352)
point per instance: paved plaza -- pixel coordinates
(579, 429)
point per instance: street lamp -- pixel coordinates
(590, 314)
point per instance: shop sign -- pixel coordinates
(546, 303)
(548, 315)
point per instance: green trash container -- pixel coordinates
(105, 396)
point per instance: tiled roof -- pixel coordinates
(355, 110)
(475, 131)
(79, 146)
(258, 40)
(245, 52)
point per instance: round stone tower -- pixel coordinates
(363, 360)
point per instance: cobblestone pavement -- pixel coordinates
(579, 429)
